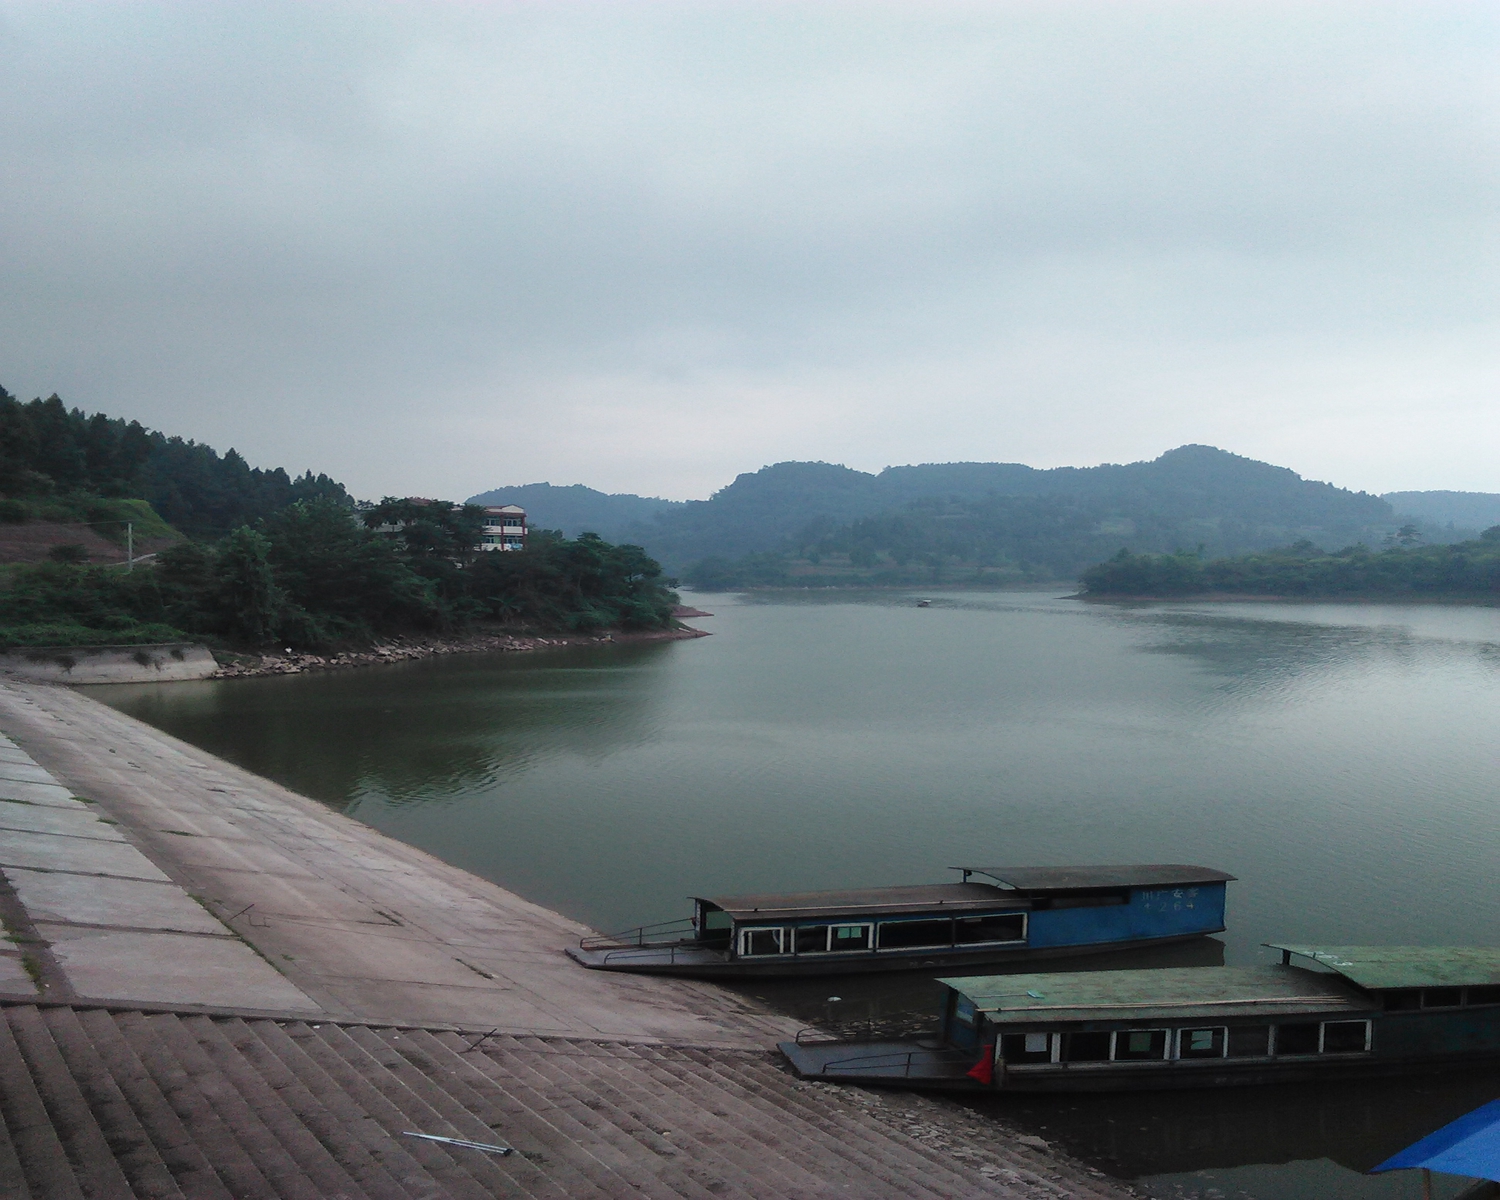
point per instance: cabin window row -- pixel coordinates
(883, 935)
(1207, 1042)
(1410, 999)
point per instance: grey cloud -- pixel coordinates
(383, 240)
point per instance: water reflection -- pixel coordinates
(1353, 1125)
(428, 732)
(1303, 1142)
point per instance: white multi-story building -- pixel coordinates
(504, 528)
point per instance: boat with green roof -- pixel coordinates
(1323, 1012)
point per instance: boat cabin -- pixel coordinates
(1039, 908)
(991, 914)
(1324, 1011)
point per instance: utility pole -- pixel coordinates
(129, 546)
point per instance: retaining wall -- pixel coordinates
(109, 664)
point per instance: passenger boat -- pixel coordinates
(1019, 913)
(1325, 1012)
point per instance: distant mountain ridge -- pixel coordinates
(1463, 510)
(1031, 522)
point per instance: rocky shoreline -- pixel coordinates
(405, 649)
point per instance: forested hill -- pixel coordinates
(1206, 495)
(820, 524)
(271, 560)
(1194, 492)
(51, 455)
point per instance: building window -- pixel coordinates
(1301, 1038)
(905, 935)
(1201, 1043)
(850, 937)
(1000, 927)
(1086, 1047)
(1140, 1045)
(1346, 1037)
(1024, 1048)
(761, 941)
(811, 939)
(1249, 1041)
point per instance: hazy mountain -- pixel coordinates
(1464, 510)
(1006, 516)
(1197, 493)
(576, 509)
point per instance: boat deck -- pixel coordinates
(903, 1063)
(684, 958)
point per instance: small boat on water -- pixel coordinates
(1022, 912)
(1325, 1012)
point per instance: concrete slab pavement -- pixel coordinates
(13, 974)
(76, 821)
(94, 917)
(89, 856)
(38, 793)
(169, 968)
(59, 896)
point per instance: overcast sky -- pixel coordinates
(431, 248)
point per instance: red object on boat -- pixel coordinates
(984, 1069)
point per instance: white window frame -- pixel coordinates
(1166, 1046)
(1054, 1052)
(1323, 1034)
(746, 931)
(827, 936)
(1223, 1042)
(868, 926)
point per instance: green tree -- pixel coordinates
(246, 588)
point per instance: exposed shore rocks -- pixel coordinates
(405, 649)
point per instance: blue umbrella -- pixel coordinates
(1468, 1146)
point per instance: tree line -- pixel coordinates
(271, 560)
(56, 461)
(1462, 570)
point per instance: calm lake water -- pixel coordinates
(1341, 760)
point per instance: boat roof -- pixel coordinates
(869, 902)
(1381, 967)
(1160, 994)
(1046, 879)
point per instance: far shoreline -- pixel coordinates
(1258, 597)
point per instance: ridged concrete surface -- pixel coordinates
(101, 1103)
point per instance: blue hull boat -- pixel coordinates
(1009, 915)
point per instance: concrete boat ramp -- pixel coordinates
(214, 987)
